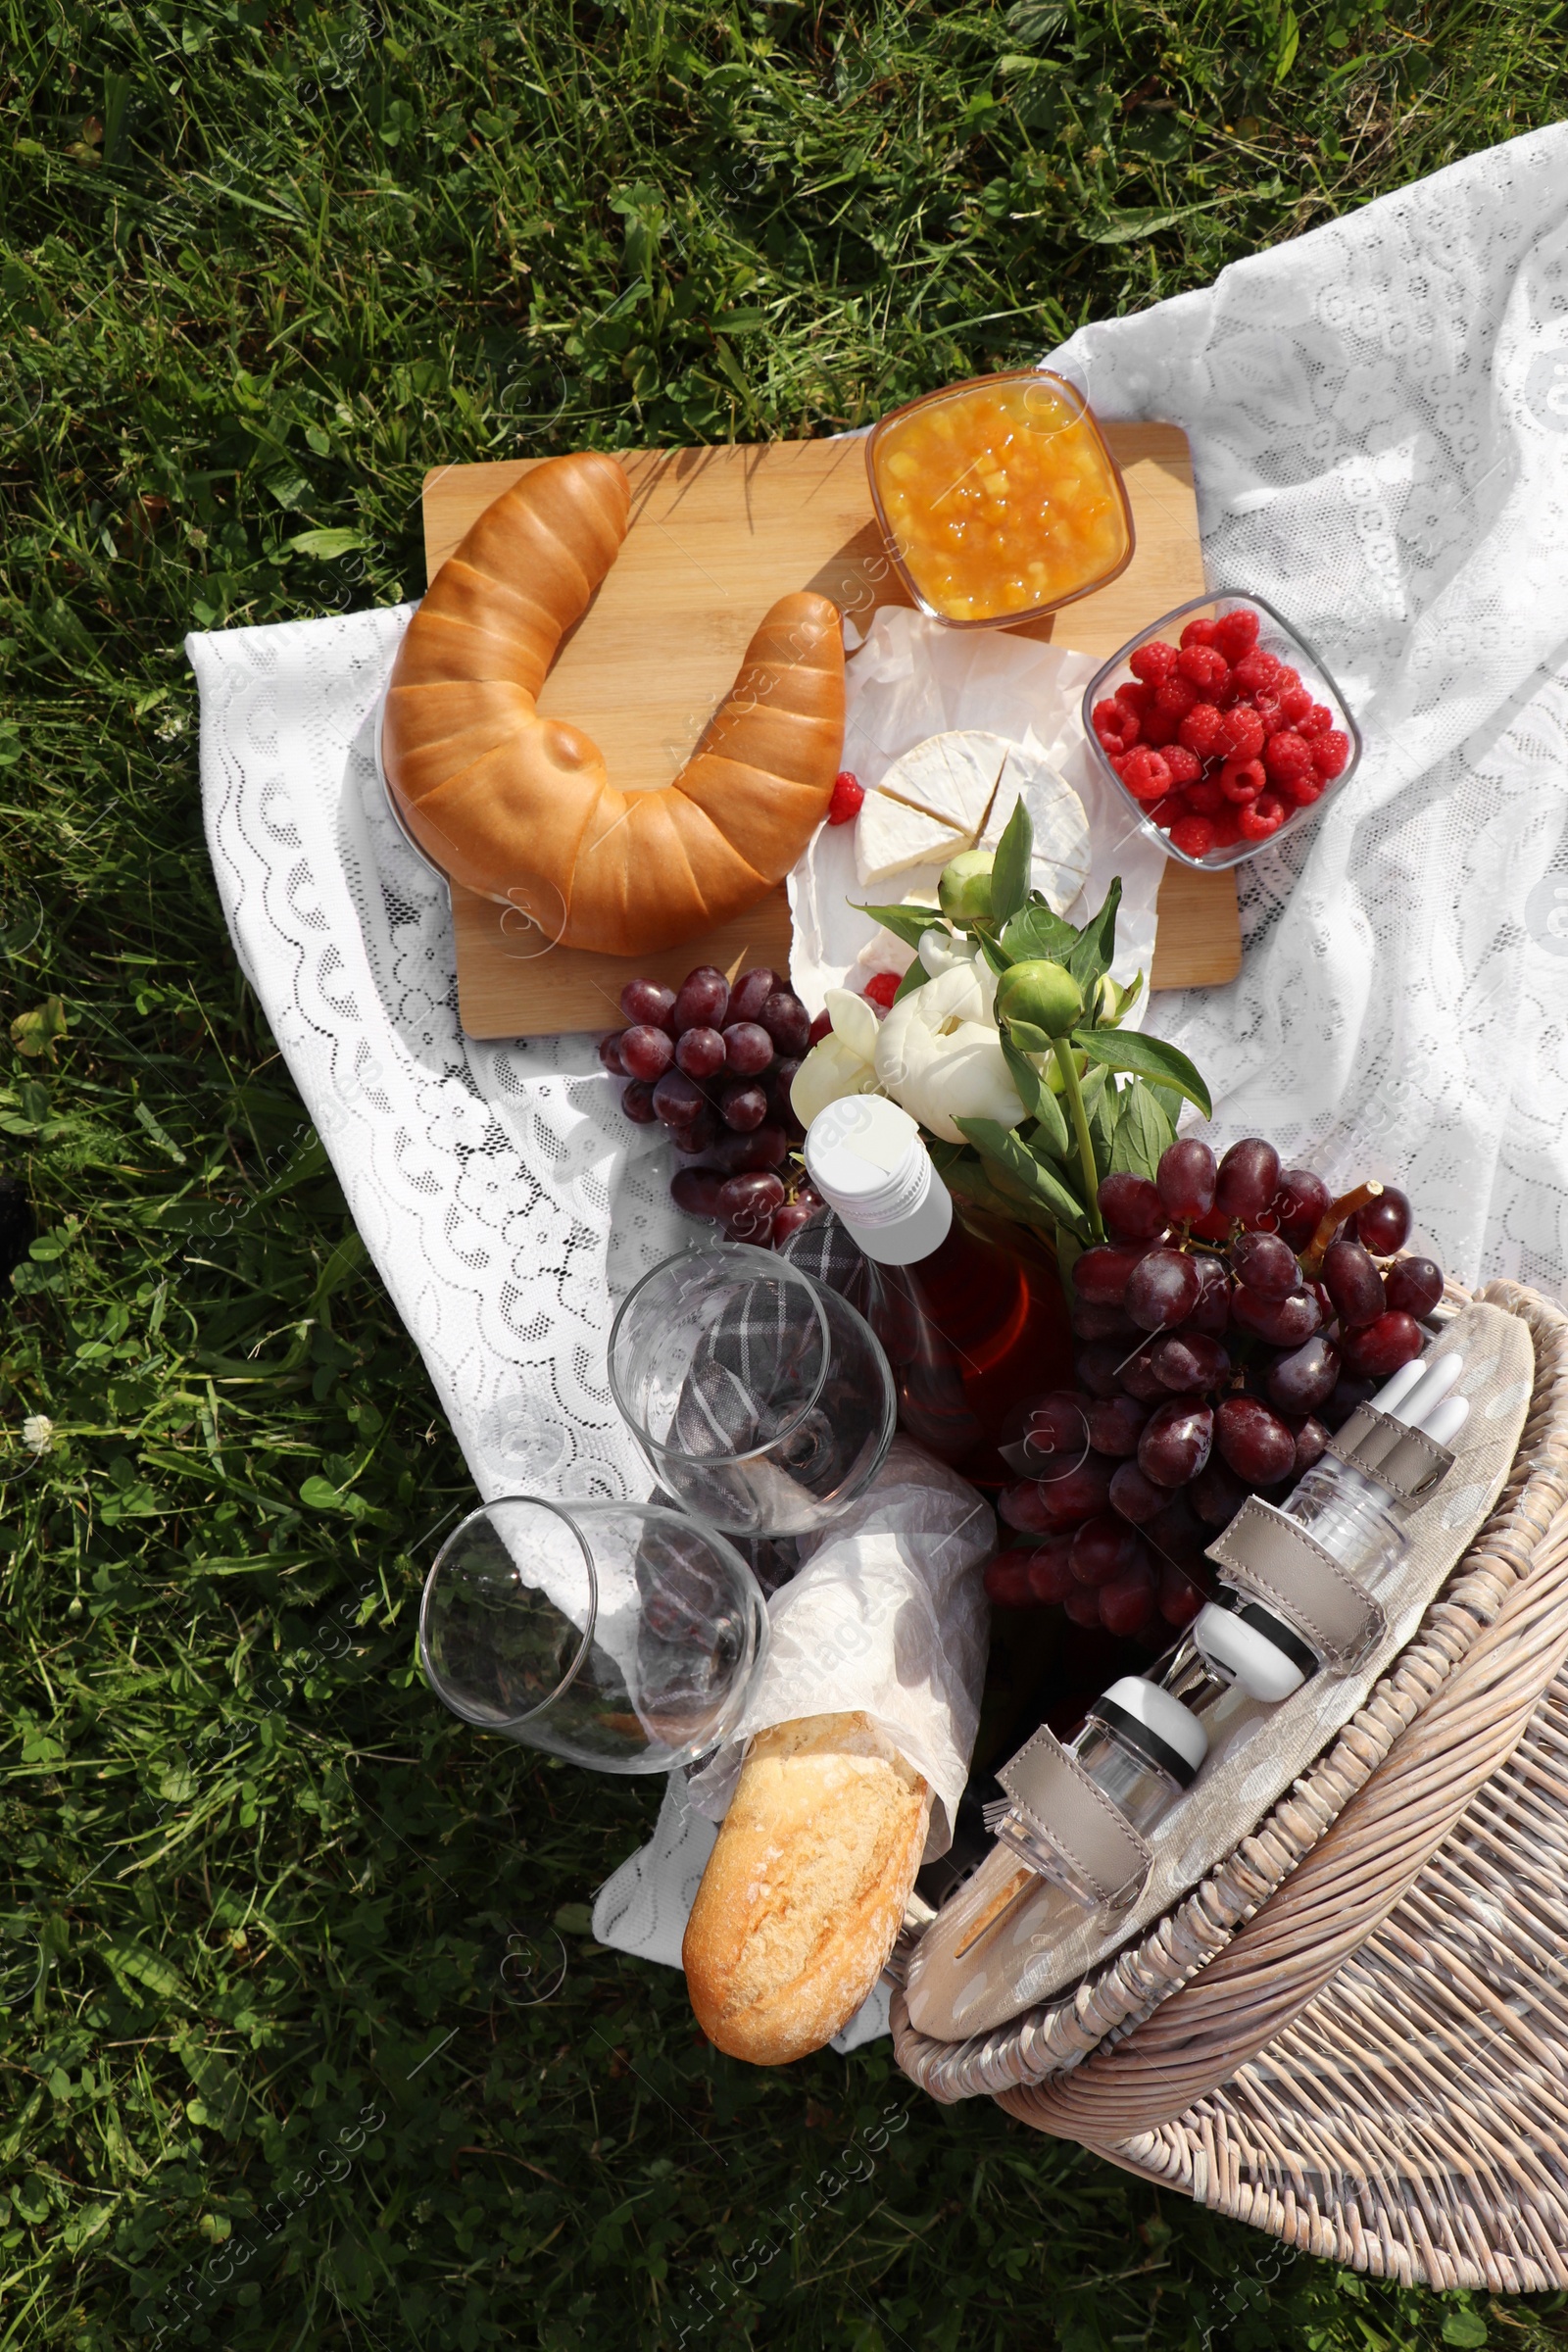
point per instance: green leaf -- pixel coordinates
(998, 1143)
(1091, 959)
(1133, 225)
(1027, 1038)
(324, 544)
(1027, 1081)
(134, 1960)
(993, 952)
(1103, 1111)
(909, 923)
(1464, 2327)
(916, 977)
(1170, 1102)
(1010, 869)
(1038, 935)
(1145, 1057)
(1142, 1131)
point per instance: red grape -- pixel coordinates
(1283, 1322)
(1379, 1347)
(748, 1049)
(637, 1102)
(1006, 1581)
(700, 1136)
(1311, 1439)
(1042, 1506)
(1099, 1366)
(780, 1079)
(1051, 1577)
(1131, 1206)
(677, 1099)
(646, 1052)
(790, 1218)
(1254, 1442)
(738, 1154)
(1383, 1225)
(1135, 1497)
(1082, 1606)
(1057, 1422)
(1116, 1426)
(1248, 1179)
(647, 1001)
(1130, 1602)
(609, 1055)
(1181, 1595)
(1217, 1496)
(1091, 1321)
(1177, 1533)
(1103, 1547)
(1414, 1285)
(1266, 1263)
(702, 1000)
(1162, 1289)
(787, 1022)
(751, 991)
(746, 1204)
(697, 1191)
(743, 1107)
(1350, 1391)
(1138, 1378)
(1215, 1227)
(1186, 1177)
(1175, 1445)
(1212, 1313)
(1298, 1383)
(699, 1052)
(1189, 1360)
(1302, 1202)
(1352, 1282)
(1100, 1275)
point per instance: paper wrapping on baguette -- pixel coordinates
(805, 1891)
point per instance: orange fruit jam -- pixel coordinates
(1000, 499)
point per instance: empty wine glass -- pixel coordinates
(619, 1635)
(762, 1399)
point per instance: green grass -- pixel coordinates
(262, 268)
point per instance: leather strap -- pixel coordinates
(1064, 1806)
(1409, 1463)
(1274, 1560)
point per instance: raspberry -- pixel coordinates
(848, 794)
(1241, 734)
(1258, 672)
(1268, 710)
(1116, 728)
(1287, 680)
(1166, 811)
(1176, 695)
(1202, 730)
(1193, 835)
(1296, 702)
(1161, 728)
(1145, 775)
(1227, 832)
(882, 990)
(1204, 666)
(1242, 779)
(1152, 662)
(1115, 760)
(1331, 754)
(1205, 798)
(1236, 633)
(1261, 817)
(1134, 696)
(1304, 790)
(1198, 632)
(1286, 756)
(1317, 721)
(1185, 766)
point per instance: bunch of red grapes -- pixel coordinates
(1217, 738)
(716, 1064)
(1233, 1318)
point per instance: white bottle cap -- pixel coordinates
(1246, 1655)
(1173, 1725)
(867, 1158)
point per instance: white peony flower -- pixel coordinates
(844, 1063)
(939, 1055)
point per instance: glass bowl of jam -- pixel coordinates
(1222, 727)
(998, 499)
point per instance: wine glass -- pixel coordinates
(621, 1636)
(762, 1399)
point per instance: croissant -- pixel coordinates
(520, 808)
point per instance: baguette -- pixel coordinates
(805, 1891)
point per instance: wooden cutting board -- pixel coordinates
(715, 536)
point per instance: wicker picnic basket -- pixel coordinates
(1354, 2033)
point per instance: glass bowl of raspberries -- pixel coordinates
(1223, 728)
